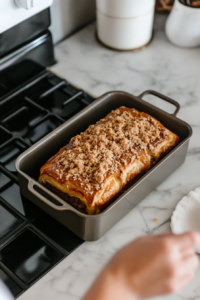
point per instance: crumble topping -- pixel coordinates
(105, 148)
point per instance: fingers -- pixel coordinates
(167, 262)
(188, 265)
(184, 241)
(187, 240)
(187, 252)
(184, 280)
(173, 286)
(180, 251)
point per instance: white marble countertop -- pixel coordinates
(167, 69)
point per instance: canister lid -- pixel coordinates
(125, 8)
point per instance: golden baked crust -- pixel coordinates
(97, 164)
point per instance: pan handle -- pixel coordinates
(163, 97)
(63, 205)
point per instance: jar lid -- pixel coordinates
(125, 8)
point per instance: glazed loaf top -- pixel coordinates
(99, 162)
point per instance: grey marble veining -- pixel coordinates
(167, 69)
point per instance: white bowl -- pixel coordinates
(186, 216)
(125, 34)
(125, 8)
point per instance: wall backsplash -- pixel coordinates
(69, 15)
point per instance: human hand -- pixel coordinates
(156, 265)
(149, 266)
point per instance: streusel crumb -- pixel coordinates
(103, 149)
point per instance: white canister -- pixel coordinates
(125, 24)
(183, 25)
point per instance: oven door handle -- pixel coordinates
(44, 196)
(163, 97)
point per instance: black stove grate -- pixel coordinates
(31, 242)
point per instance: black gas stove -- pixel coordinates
(33, 102)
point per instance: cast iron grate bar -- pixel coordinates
(18, 90)
(52, 89)
(27, 99)
(8, 174)
(26, 115)
(72, 98)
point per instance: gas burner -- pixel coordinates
(31, 242)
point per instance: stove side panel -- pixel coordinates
(67, 16)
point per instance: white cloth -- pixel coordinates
(5, 294)
(186, 216)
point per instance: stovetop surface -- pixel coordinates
(33, 102)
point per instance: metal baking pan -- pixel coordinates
(89, 227)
